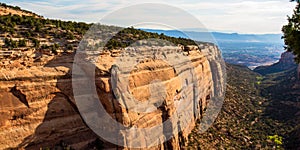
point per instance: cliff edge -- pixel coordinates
(38, 109)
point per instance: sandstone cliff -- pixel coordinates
(286, 62)
(38, 109)
(38, 105)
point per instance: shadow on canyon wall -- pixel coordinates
(62, 126)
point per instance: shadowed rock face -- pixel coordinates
(17, 93)
(38, 110)
(286, 62)
(298, 71)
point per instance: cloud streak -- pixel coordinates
(252, 16)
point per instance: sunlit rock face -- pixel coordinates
(38, 109)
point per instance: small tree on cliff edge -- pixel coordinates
(291, 33)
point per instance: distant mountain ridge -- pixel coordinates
(250, 50)
(221, 37)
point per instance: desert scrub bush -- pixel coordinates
(277, 141)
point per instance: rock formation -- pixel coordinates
(298, 71)
(38, 109)
(286, 62)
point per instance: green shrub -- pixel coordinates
(277, 140)
(36, 42)
(22, 43)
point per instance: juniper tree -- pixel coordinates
(291, 33)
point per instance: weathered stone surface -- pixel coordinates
(37, 107)
(139, 80)
(45, 113)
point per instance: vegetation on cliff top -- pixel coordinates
(17, 8)
(30, 31)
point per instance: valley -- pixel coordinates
(38, 108)
(251, 50)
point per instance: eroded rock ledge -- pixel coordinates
(48, 115)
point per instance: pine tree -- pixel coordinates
(291, 33)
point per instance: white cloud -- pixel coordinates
(243, 16)
(252, 16)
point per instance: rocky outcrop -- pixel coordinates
(287, 58)
(10, 10)
(286, 62)
(38, 109)
(39, 91)
(298, 72)
(136, 80)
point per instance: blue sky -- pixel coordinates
(242, 16)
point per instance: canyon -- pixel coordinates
(38, 109)
(51, 91)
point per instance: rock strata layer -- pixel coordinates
(38, 109)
